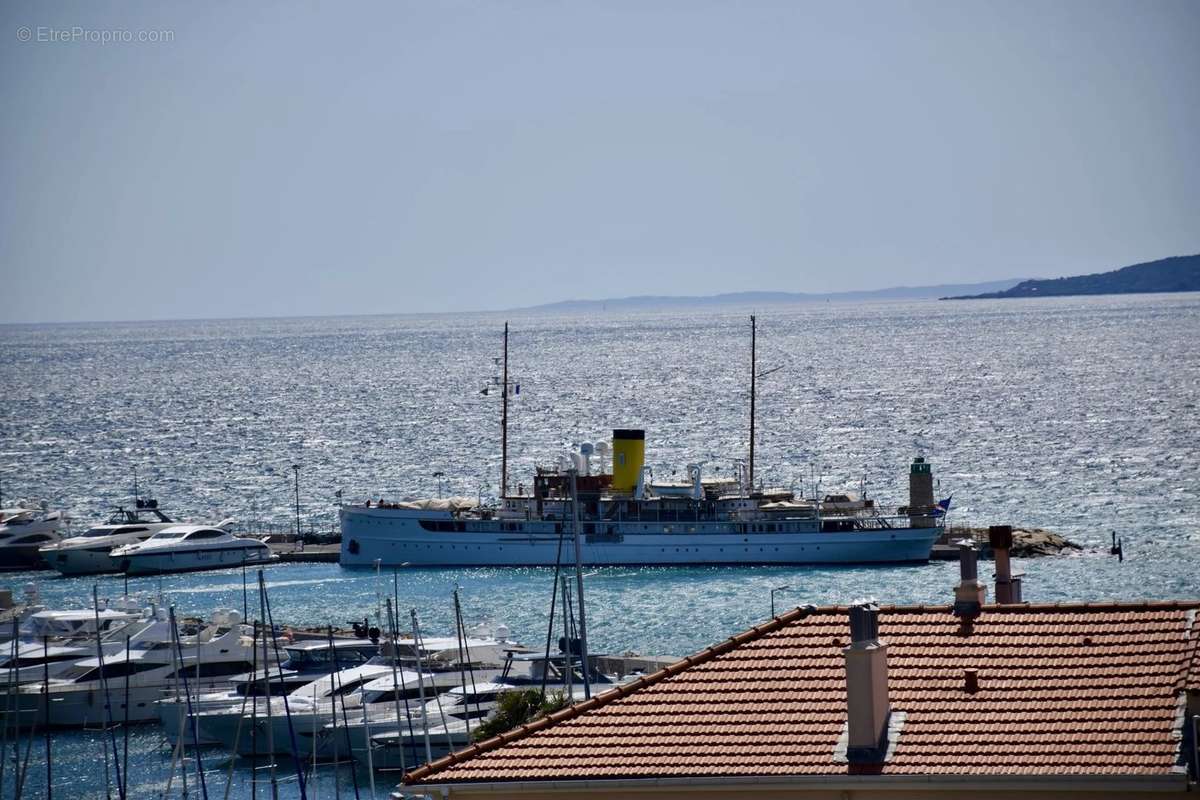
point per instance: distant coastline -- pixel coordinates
(1175, 274)
(771, 298)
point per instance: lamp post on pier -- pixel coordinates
(296, 470)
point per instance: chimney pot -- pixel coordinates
(969, 595)
(970, 680)
(968, 560)
(1000, 537)
(864, 623)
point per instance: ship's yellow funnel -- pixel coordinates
(629, 453)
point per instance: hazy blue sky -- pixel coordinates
(277, 159)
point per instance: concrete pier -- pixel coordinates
(309, 554)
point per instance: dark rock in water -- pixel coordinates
(1027, 542)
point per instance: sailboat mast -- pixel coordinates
(504, 422)
(753, 376)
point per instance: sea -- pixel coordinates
(1078, 415)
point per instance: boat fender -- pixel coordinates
(353, 547)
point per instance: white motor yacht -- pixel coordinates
(53, 641)
(398, 739)
(89, 552)
(23, 531)
(304, 663)
(131, 680)
(249, 730)
(422, 672)
(186, 548)
(450, 725)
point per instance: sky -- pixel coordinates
(180, 160)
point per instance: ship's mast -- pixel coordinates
(504, 422)
(587, 683)
(753, 375)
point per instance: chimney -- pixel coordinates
(970, 594)
(866, 687)
(1008, 586)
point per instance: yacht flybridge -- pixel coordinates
(619, 514)
(89, 552)
(24, 530)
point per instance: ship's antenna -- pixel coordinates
(136, 496)
(753, 375)
(504, 422)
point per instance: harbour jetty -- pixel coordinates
(1027, 543)
(306, 554)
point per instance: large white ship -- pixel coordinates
(618, 515)
(626, 518)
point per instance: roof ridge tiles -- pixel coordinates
(924, 626)
(1065, 605)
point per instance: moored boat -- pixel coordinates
(126, 684)
(23, 531)
(187, 548)
(618, 514)
(215, 714)
(89, 553)
(52, 641)
(625, 519)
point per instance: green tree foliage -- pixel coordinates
(519, 708)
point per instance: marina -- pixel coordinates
(203, 681)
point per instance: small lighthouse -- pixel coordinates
(920, 494)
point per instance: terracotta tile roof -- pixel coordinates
(1063, 690)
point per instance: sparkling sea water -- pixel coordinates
(1073, 414)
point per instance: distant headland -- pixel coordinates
(772, 298)
(1175, 274)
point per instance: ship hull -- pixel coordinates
(189, 561)
(85, 707)
(393, 537)
(21, 557)
(82, 561)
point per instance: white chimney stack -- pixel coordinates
(866, 687)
